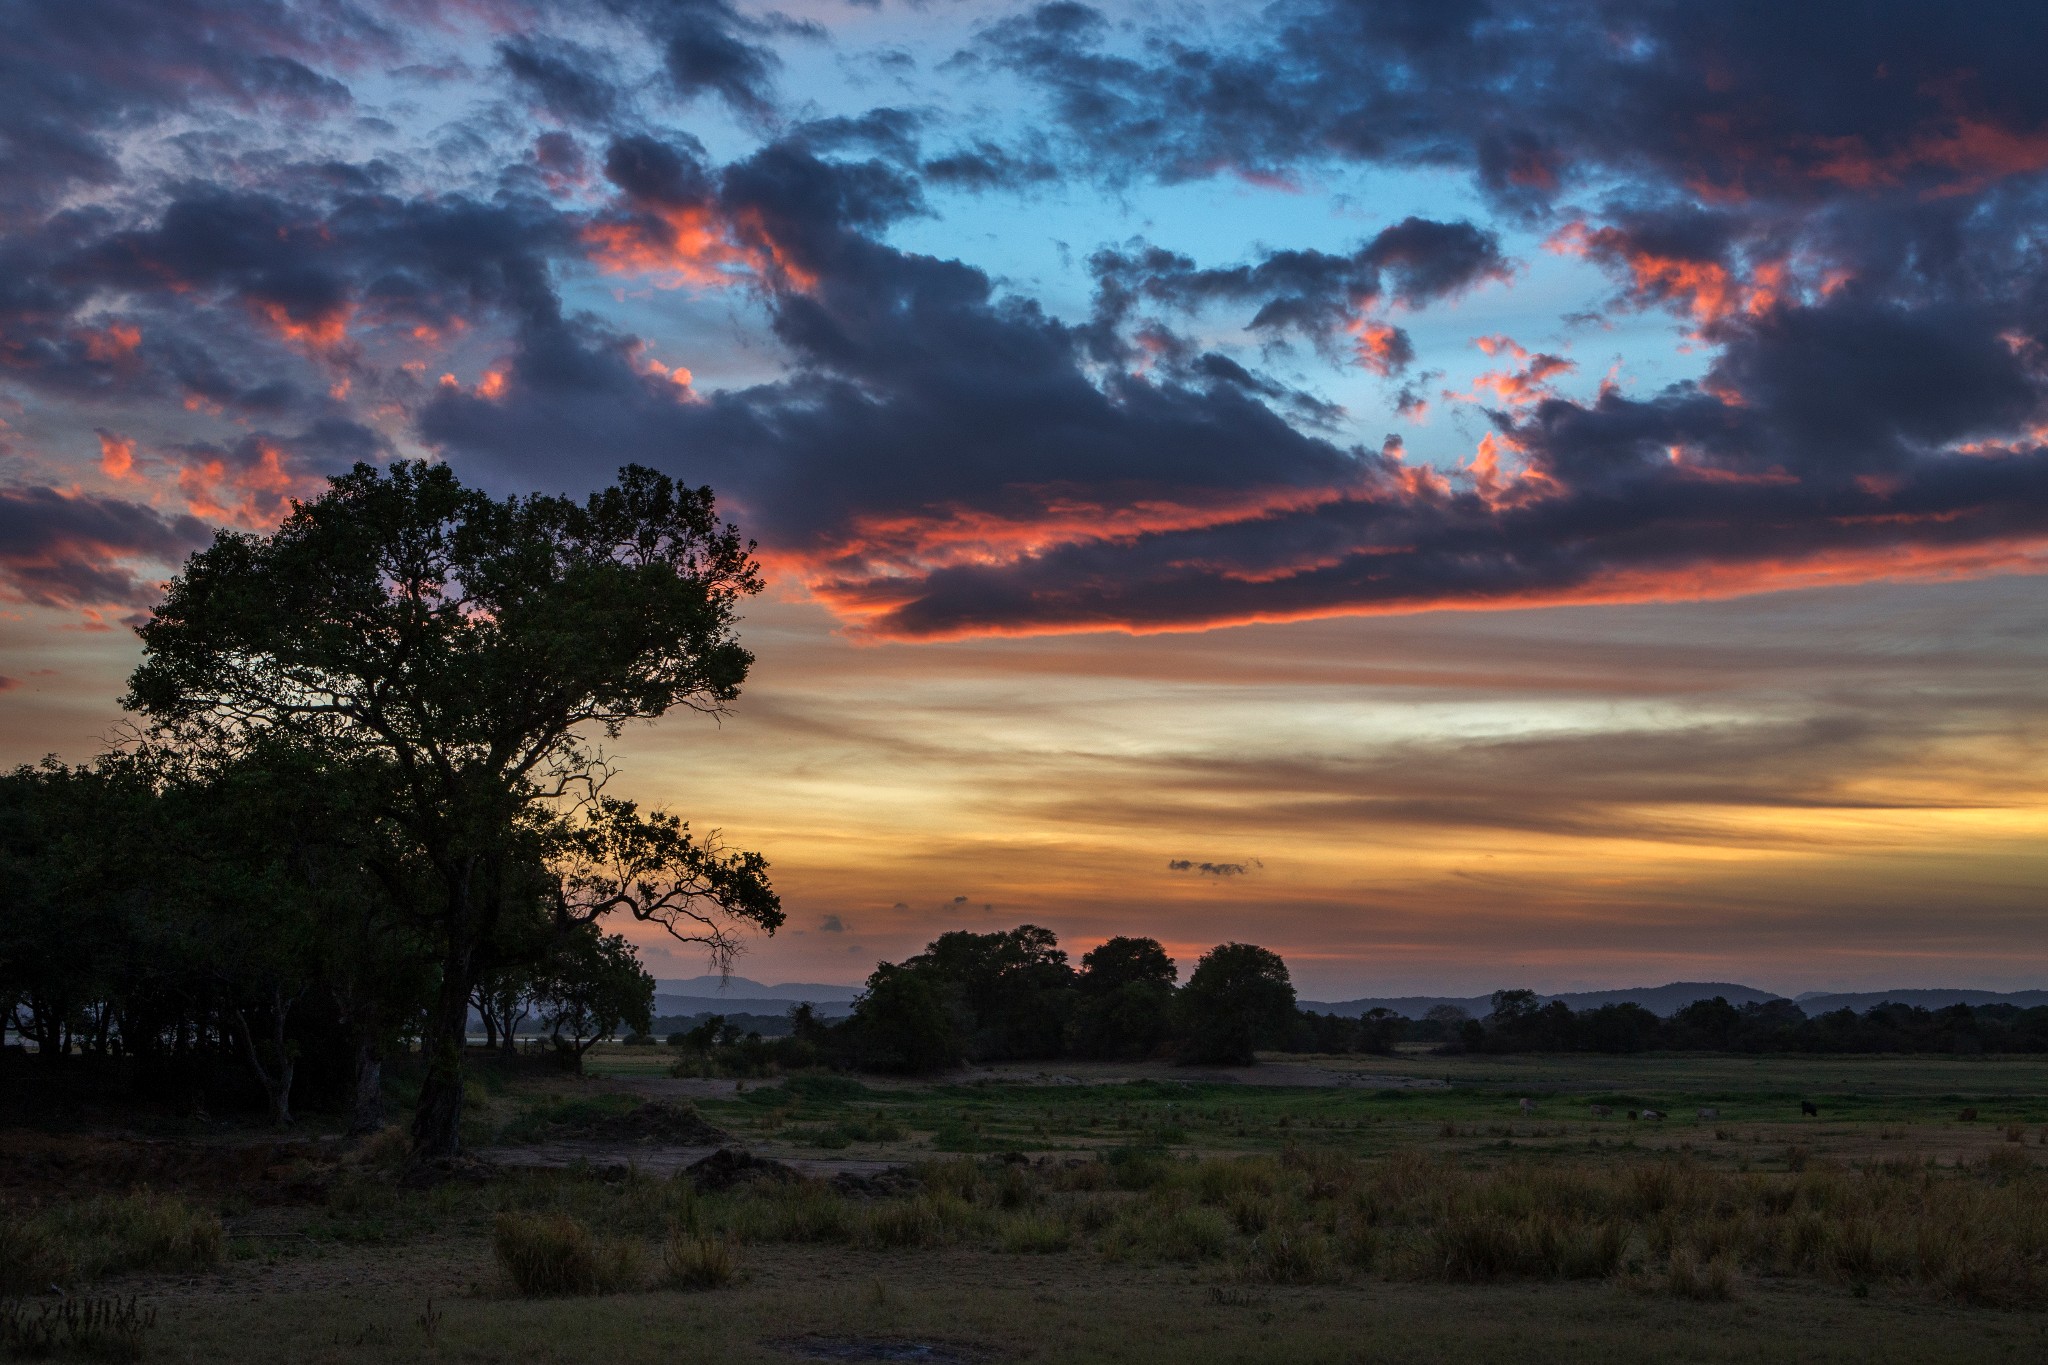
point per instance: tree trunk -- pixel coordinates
(490, 1019)
(512, 1022)
(366, 1112)
(437, 1122)
(277, 1082)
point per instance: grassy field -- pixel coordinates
(1114, 1214)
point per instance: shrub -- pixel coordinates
(1169, 1232)
(1295, 1257)
(1038, 1233)
(31, 1258)
(903, 1223)
(1220, 1180)
(808, 1211)
(114, 1233)
(691, 1262)
(1689, 1277)
(550, 1254)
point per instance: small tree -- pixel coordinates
(592, 984)
(1238, 999)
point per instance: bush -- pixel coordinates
(692, 1262)
(1294, 1257)
(106, 1235)
(551, 1254)
(31, 1258)
(904, 1223)
(1168, 1232)
(1705, 1281)
(1038, 1233)
(807, 1212)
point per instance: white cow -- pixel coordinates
(1528, 1106)
(1710, 1114)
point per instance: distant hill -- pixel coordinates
(1662, 1001)
(1822, 1002)
(666, 1005)
(738, 995)
(1665, 1001)
(731, 987)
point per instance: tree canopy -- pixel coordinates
(466, 650)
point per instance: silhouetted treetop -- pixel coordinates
(421, 615)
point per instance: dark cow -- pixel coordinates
(1968, 1116)
(1808, 1109)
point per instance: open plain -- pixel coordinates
(1405, 1208)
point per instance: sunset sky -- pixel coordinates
(1463, 494)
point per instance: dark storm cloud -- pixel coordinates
(1748, 98)
(221, 293)
(922, 395)
(1861, 262)
(709, 48)
(949, 460)
(1415, 262)
(568, 80)
(75, 550)
(82, 75)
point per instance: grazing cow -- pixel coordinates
(1968, 1116)
(1601, 1111)
(1652, 1114)
(1710, 1113)
(1528, 1106)
(1808, 1109)
(1633, 1115)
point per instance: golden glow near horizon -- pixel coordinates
(1835, 788)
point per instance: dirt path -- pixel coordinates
(655, 1159)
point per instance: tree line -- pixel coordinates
(1013, 995)
(1520, 1022)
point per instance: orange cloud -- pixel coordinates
(117, 457)
(1514, 387)
(679, 245)
(1709, 290)
(113, 343)
(318, 334)
(1381, 348)
(256, 495)
(1975, 151)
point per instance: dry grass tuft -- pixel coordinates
(105, 1235)
(692, 1262)
(1710, 1281)
(546, 1255)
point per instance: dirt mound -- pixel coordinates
(655, 1122)
(880, 1185)
(729, 1166)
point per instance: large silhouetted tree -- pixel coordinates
(471, 647)
(1238, 998)
(1126, 999)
